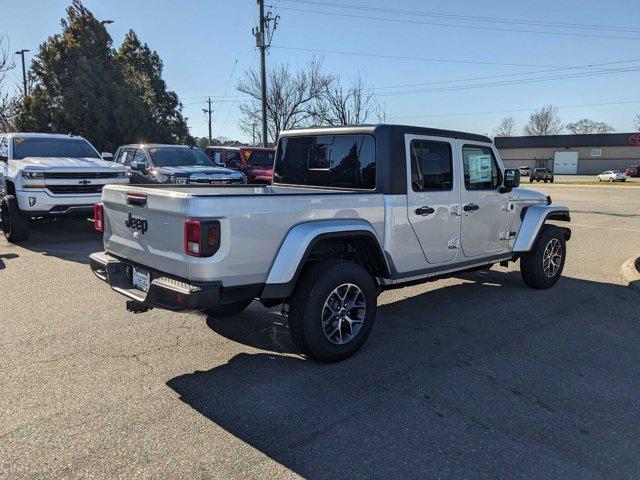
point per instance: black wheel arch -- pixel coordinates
(358, 246)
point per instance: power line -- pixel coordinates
(468, 17)
(420, 59)
(514, 82)
(513, 111)
(453, 25)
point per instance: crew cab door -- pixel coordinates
(484, 208)
(432, 195)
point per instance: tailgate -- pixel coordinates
(146, 226)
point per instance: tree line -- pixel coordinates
(546, 121)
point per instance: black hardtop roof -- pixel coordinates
(386, 128)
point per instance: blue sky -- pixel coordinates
(200, 41)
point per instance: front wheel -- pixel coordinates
(542, 266)
(332, 310)
(14, 224)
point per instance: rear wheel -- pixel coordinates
(228, 310)
(14, 224)
(542, 266)
(332, 310)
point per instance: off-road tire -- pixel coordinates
(307, 304)
(14, 224)
(227, 310)
(532, 263)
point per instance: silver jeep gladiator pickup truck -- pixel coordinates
(352, 211)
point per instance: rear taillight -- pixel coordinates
(201, 239)
(192, 236)
(98, 217)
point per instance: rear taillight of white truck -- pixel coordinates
(98, 217)
(201, 239)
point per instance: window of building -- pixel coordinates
(596, 152)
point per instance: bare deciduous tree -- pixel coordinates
(636, 122)
(290, 97)
(8, 103)
(506, 127)
(586, 126)
(544, 122)
(345, 106)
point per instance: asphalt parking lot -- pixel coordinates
(471, 377)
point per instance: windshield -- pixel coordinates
(260, 158)
(179, 157)
(52, 147)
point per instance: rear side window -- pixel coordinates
(343, 161)
(480, 168)
(431, 166)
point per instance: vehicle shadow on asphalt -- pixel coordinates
(67, 239)
(7, 256)
(481, 379)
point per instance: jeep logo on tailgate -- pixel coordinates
(136, 223)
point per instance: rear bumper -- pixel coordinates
(164, 292)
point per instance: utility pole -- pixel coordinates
(209, 111)
(24, 71)
(263, 43)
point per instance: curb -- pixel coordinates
(631, 274)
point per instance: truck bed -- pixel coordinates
(242, 190)
(254, 220)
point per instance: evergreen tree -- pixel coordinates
(143, 69)
(79, 87)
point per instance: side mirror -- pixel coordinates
(107, 156)
(139, 166)
(4, 158)
(511, 179)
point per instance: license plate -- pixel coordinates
(141, 279)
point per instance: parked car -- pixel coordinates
(612, 176)
(46, 175)
(255, 162)
(633, 171)
(525, 170)
(344, 220)
(543, 174)
(180, 164)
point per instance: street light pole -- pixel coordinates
(24, 71)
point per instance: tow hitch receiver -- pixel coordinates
(136, 307)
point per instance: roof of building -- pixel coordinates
(560, 141)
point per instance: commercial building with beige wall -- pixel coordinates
(572, 154)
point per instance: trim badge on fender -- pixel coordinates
(136, 223)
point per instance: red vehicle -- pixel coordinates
(255, 162)
(633, 171)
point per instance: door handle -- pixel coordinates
(470, 207)
(424, 210)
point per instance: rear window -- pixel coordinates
(24, 147)
(343, 161)
(260, 158)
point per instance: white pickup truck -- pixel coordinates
(352, 211)
(47, 175)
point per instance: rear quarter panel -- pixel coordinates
(253, 228)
